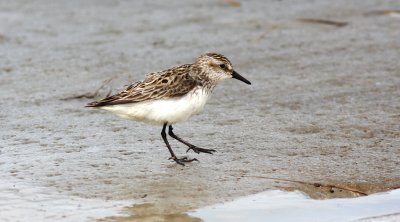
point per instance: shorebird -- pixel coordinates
(171, 96)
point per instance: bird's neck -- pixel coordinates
(202, 77)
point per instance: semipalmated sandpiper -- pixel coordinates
(171, 96)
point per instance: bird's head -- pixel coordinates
(217, 67)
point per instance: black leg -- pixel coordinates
(173, 156)
(164, 136)
(191, 146)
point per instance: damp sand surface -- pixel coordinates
(321, 116)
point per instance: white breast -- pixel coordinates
(171, 110)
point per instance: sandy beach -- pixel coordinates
(321, 116)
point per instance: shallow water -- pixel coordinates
(323, 107)
(24, 202)
(277, 205)
(283, 206)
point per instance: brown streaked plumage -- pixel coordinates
(172, 96)
(165, 84)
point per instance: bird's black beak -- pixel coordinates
(237, 76)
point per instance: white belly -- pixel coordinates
(171, 110)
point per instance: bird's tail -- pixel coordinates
(93, 104)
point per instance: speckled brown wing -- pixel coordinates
(165, 84)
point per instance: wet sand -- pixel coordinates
(323, 107)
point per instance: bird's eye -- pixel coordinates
(222, 66)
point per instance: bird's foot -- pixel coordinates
(200, 150)
(182, 160)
